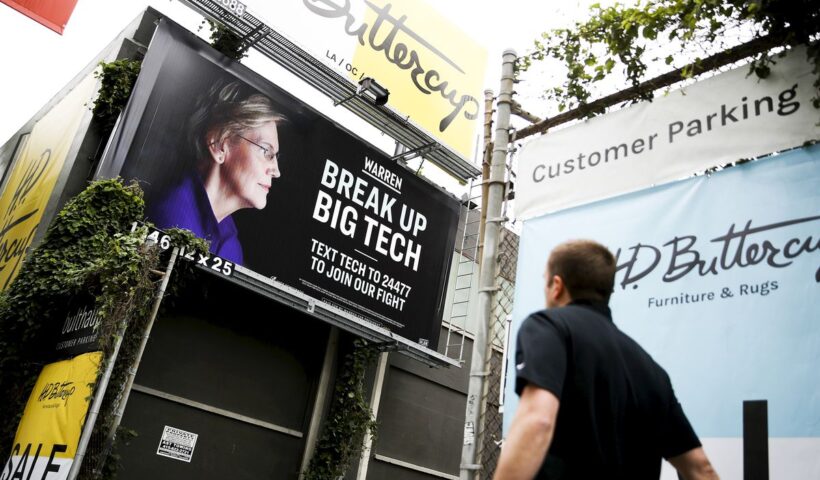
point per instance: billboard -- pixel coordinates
(49, 432)
(434, 71)
(718, 280)
(279, 189)
(713, 122)
(52, 14)
(34, 174)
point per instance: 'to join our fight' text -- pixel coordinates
(353, 273)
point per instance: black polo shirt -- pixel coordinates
(618, 414)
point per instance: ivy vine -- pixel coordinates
(117, 79)
(620, 38)
(225, 41)
(89, 248)
(349, 418)
(135, 310)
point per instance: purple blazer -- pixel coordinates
(187, 206)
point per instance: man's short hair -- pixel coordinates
(586, 267)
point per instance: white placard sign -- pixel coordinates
(719, 120)
(177, 444)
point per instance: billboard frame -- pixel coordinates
(332, 315)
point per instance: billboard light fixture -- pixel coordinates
(416, 152)
(369, 89)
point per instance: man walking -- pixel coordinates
(593, 404)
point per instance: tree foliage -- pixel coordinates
(620, 38)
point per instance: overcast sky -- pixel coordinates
(38, 62)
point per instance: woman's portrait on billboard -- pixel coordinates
(233, 138)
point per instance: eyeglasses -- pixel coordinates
(269, 154)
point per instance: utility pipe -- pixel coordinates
(489, 259)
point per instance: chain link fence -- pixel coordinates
(489, 448)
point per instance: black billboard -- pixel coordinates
(282, 190)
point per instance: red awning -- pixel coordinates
(54, 14)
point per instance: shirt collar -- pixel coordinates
(599, 307)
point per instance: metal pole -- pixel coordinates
(375, 400)
(489, 258)
(485, 166)
(482, 225)
(323, 396)
(132, 372)
(504, 356)
(94, 411)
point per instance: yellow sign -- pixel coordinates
(34, 175)
(433, 70)
(49, 431)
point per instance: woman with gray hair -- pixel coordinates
(233, 133)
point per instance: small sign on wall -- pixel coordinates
(177, 444)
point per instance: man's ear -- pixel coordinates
(559, 293)
(558, 288)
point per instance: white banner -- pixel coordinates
(718, 279)
(713, 122)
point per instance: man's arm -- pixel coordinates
(530, 435)
(694, 465)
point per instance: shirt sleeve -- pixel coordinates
(541, 355)
(679, 436)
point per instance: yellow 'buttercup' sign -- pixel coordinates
(34, 175)
(49, 431)
(433, 70)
